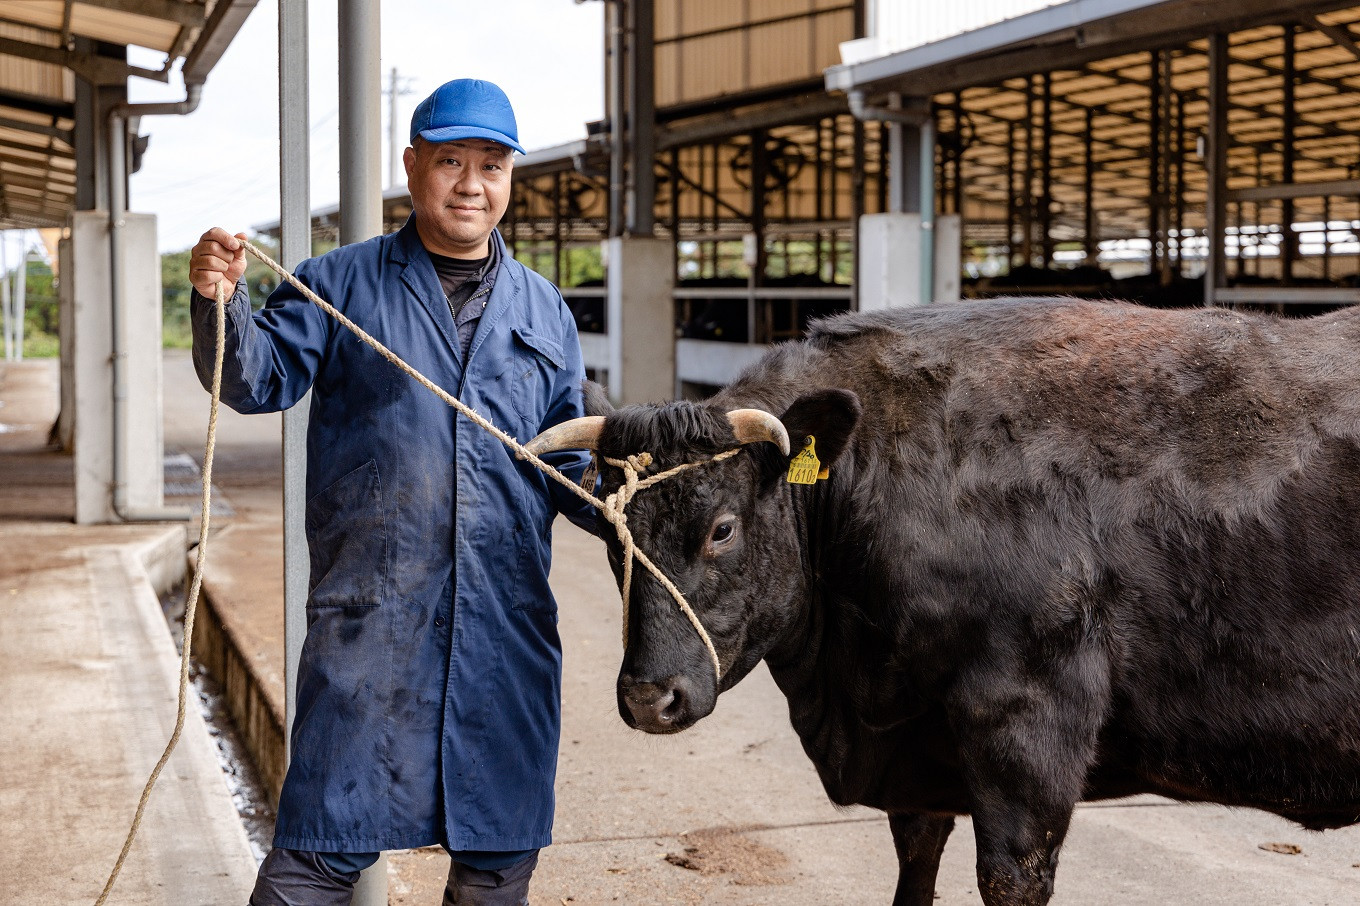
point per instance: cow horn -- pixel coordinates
(577, 434)
(751, 425)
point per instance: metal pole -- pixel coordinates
(856, 203)
(1216, 165)
(394, 143)
(956, 180)
(1154, 162)
(1178, 159)
(295, 242)
(1027, 198)
(928, 210)
(1089, 240)
(614, 93)
(757, 317)
(361, 214)
(1046, 175)
(1326, 237)
(1012, 215)
(360, 121)
(897, 160)
(1289, 247)
(641, 119)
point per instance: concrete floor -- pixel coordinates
(88, 684)
(731, 812)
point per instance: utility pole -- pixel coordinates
(396, 143)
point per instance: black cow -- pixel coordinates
(1067, 550)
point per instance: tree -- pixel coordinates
(176, 290)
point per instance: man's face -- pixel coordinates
(459, 191)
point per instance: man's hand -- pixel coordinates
(217, 257)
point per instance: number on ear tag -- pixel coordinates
(804, 468)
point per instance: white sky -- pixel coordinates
(219, 165)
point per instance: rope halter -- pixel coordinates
(749, 426)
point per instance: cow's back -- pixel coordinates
(1166, 496)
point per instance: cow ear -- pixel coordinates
(828, 415)
(596, 399)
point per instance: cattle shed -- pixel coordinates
(1176, 153)
(69, 138)
(793, 158)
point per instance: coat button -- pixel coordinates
(439, 621)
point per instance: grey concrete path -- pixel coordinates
(88, 686)
(731, 813)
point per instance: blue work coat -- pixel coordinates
(428, 697)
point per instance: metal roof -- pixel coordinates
(1066, 35)
(46, 44)
(1116, 92)
(1111, 102)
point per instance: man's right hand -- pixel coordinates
(217, 256)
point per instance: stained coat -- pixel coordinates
(428, 702)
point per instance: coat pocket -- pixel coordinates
(537, 361)
(347, 539)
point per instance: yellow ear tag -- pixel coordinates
(804, 468)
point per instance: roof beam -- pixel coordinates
(40, 150)
(93, 68)
(1338, 33)
(189, 15)
(226, 20)
(37, 166)
(63, 134)
(34, 104)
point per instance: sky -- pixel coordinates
(219, 165)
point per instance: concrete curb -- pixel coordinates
(257, 715)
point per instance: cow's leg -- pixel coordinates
(920, 841)
(1026, 741)
(1017, 848)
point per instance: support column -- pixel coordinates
(91, 346)
(66, 330)
(1216, 167)
(295, 240)
(1289, 247)
(642, 333)
(639, 268)
(361, 208)
(641, 119)
(1090, 242)
(904, 162)
(890, 254)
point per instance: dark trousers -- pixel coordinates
(291, 877)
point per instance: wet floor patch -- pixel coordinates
(184, 486)
(732, 852)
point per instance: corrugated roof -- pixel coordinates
(40, 57)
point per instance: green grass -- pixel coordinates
(41, 346)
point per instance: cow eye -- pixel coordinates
(722, 535)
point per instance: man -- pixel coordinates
(429, 689)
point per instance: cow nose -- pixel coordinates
(657, 707)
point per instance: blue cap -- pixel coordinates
(466, 108)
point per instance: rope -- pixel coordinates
(614, 512)
(191, 604)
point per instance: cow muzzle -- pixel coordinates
(667, 706)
